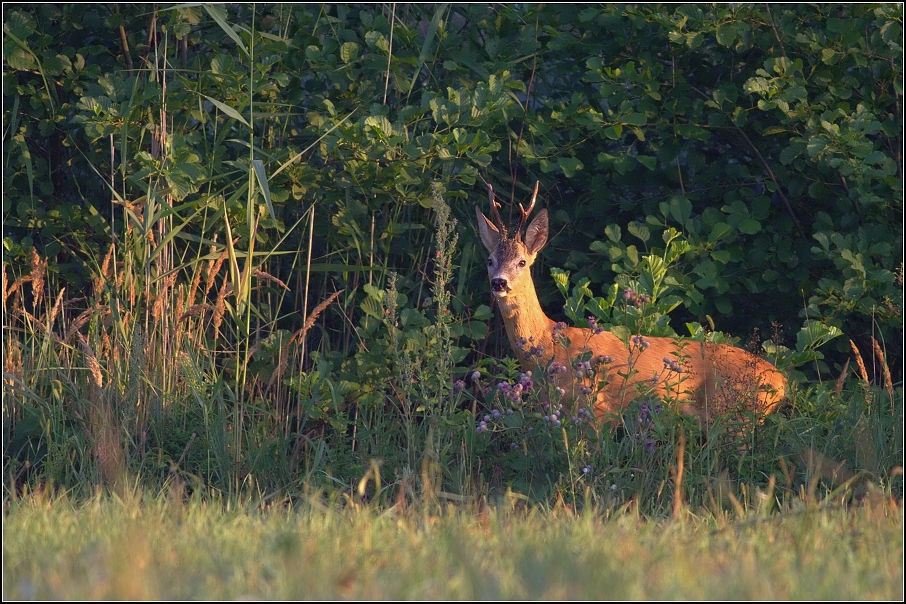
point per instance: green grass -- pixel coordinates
(155, 548)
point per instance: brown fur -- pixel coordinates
(714, 379)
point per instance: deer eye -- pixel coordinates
(490, 262)
(522, 263)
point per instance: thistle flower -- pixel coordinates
(672, 365)
(535, 351)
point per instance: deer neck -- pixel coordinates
(523, 317)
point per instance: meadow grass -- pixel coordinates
(166, 548)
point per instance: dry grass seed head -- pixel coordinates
(196, 280)
(838, 388)
(38, 271)
(106, 272)
(4, 288)
(79, 321)
(163, 298)
(94, 368)
(888, 383)
(859, 361)
(56, 307)
(268, 277)
(213, 269)
(310, 321)
(17, 285)
(220, 307)
(194, 311)
(12, 362)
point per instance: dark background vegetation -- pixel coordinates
(188, 184)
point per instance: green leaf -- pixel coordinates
(569, 165)
(373, 292)
(381, 124)
(722, 256)
(482, 313)
(218, 13)
(790, 153)
(478, 330)
(227, 110)
(632, 254)
(372, 308)
(561, 279)
(647, 161)
(640, 231)
(719, 231)
(815, 334)
(749, 226)
(875, 157)
(261, 177)
(349, 52)
(726, 34)
(635, 119)
(680, 209)
(613, 132)
(222, 64)
(622, 333)
(613, 232)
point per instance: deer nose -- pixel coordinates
(499, 285)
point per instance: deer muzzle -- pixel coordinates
(499, 287)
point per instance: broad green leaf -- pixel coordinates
(719, 231)
(569, 165)
(561, 279)
(635, 119)
(726, 34)
(639, 230)
(349, 52)
(482, 313)
(749, 226)
(815, 334)
(647, 161)
(680, 209)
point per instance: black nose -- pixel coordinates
(498, 285)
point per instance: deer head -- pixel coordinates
(511, 256)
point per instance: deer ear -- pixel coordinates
(490, 235)
(536, 233)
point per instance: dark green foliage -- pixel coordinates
(738, 164)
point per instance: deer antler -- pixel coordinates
(495, 215)
(526, 213)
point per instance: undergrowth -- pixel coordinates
(120, 398)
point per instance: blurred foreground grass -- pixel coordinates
(154, 548)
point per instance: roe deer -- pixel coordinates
(707, 379)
